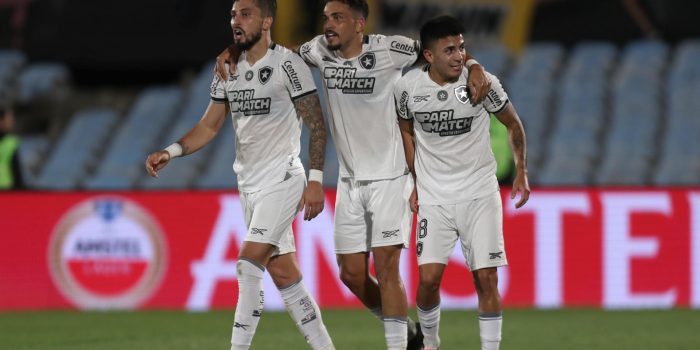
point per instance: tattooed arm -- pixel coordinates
(516, 136)
(309, 110)
(203, 132)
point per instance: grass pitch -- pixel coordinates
(350, 329)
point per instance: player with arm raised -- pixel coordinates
(270, 92)
(447, 145)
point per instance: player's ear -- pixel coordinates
(360, 23)
(428, 55)
(267, 23)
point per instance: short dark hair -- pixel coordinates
(268, 7)
(438, 28)
(359, 6)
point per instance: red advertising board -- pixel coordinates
(616, 248)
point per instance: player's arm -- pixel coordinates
(409, 148)
(516, 137)
(308, 108)
(201, 134)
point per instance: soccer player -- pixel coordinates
(372, 213)
(447, 145)
(271, 90)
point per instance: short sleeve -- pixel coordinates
(218, 90)
(297, 76)
(309, 51)
(403, 50)
(401, 96)
(496, 99)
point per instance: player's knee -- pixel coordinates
(352, 277)
(429, 281)
(486, 281)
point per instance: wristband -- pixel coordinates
(175, 150)
(316, 175)
(471, 62)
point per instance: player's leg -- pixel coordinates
(265, 212)
(436, 236)
(485, 250)
(301, 306)
(354, 273)
(249, 269)
(490, 309)
(390, 217)
(352, 246)
(393, 295)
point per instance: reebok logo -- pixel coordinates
(388, 234)
(258, 231)
(497, 255)
(240, 325)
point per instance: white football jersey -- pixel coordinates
(362, 110)
(453, 160)
(267, 129)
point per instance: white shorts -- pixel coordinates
(477, 223)
(370, 214)
(269, 213)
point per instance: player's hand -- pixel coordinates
(479, 84)
(413, 200)
(312, 200)
(229, 55)
(520, 184)
(156, 161)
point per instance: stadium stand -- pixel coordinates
(594, 113)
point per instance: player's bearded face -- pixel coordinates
(339, 25)
(246, 24)
(245, 40)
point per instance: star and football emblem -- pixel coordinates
(368, 60)
(462, 94)
(264, 74)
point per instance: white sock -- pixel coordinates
(490, 330)
(307, 316)
(251, 298)
(395, 333)
(430, 324)
(411, 328)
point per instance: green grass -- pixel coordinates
(523, 329)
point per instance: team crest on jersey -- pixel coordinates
(368, 60)
(442, 95)
(462, 94)
(264, 74)
(249, 75)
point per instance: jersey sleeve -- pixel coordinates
(309, 51)
(401, 96)
(218, 90)
(403, 50)
(297, 76)
(496, 99)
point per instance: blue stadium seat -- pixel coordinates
(43, 80)
(75, 153)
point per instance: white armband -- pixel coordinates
(175, 150)
(471, 62)
(316, 175)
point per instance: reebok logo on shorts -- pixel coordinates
(389, 234)
(258, 231)
(493, 256)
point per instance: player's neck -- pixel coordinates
(355, 47)
(259, 50)
(439, 79)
